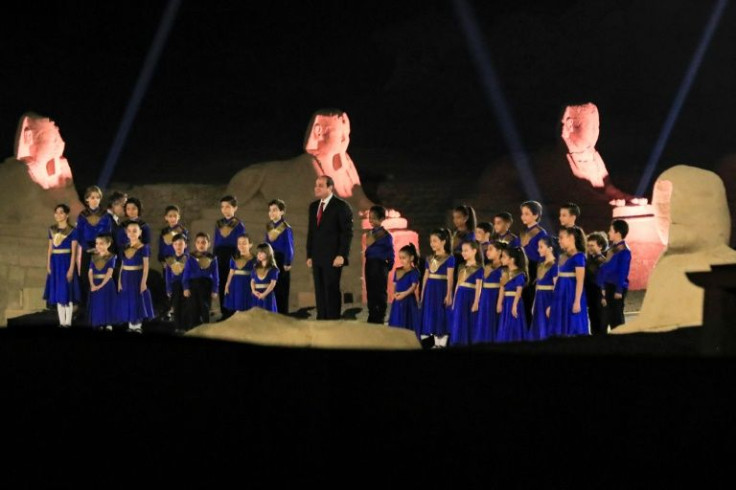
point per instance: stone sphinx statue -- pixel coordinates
(325, 153)
(692, 217)
(38, 176)
(580, 131)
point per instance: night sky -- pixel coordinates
(238, 81)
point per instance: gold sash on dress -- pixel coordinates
(59, 235)
(131, 250)
(274, 232)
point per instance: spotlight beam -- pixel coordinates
(141, 85)
(494, 93)
(679, 100)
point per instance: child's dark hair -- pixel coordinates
(578, 234)
(379, 211)
(172, 207)
(469, 214)
(106, 237)
(572, 208)
(485, 226)
(475, 245)
(129, 222)
(620, 226)
(599, 237)
(231, 200)
(179, 236)
(499, 245)
(534, 207)
(279, 203)
(519, 256)
(137, 203)
(63, 207)
(245, 236)
(547, 240)
(411, 250)
(505, 216)
(204, 235)
(115, 197)
(443, 234)
(268, 250)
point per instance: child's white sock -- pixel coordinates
(62, 315)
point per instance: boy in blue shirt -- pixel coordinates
(227, 231)
(613, 276)
(281, 239)
(379, 260)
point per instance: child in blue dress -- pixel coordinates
(512, 324)
(238, 296)
(133, 213)
(404, 309)
(263, 279)
(62, 284)
(464, 220)
(436, 297)
(174, 273)
(486, 325)
(91, 222)
(467, 295)
(544, 291)
(134, 300)
(101, 307)
(569, 312)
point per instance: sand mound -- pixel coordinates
(258, 326)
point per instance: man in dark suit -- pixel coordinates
(328, 246)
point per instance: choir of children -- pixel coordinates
(527, 290)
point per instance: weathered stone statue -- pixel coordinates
(692, 217)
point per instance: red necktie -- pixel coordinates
(319, 211)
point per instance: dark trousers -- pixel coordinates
(527, 294)
(224, 254)
(376, 284)
(327, 291)
(613, 312)
(595, 310)
(199, 303)
(84, 278)
(283, 285)
(177, 303)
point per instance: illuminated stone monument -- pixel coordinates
(692, 217)
(580, 132)
(32, 182)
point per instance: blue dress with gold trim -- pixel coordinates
(101, 307)
(134, 306)
(435, 316)
(543, 294)
(58, 290)
(463, 319)
(512, 329)
(562, 320)
(262, 281)
(486, 323)
(405, 312)
(240, 297)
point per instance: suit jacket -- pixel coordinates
(333, 235)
